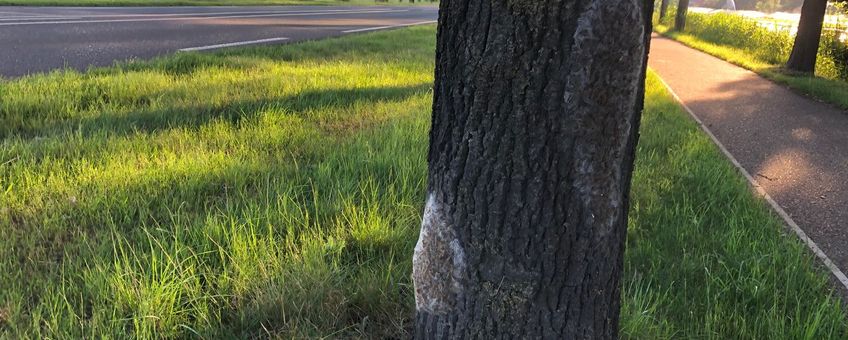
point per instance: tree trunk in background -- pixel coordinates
(803, 57)
(663, 8)
(680, 19)
(535, 121)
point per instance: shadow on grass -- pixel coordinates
(374, 46)
(194, 116)
(201, 210)
(207, 195)
(82, 105)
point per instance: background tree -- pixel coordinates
(663, 8)
(535, 121)
(805, 49)
(680, 19)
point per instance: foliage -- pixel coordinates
(759, 5)
(765, 45)
(733, 30)
(836, 50)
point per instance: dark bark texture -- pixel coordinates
(805, 50)
(663, 8)
(680, 19)
(535, 122)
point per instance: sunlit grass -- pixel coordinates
(277, 191)
(705, 258)
(741, 41)
(263, 190)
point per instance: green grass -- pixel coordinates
(277, 191)
(205, 2)
(273, 189)
(741, 41)
(705, 258)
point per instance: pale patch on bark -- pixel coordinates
(604, 61)
(438, 264)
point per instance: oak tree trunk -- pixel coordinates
(535, 121)
(663, 8)
(680, 19)
(803, 56)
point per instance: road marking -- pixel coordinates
(39, 18)
(148, 15)
(199, 18)
(27, 16)
(392, 26)
(21, 13)
(367, 29)
(762, 192)
(162, 15)
(239, 43)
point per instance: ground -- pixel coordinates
(79, 38)
(278, 191)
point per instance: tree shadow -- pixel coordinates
(376, 46)
(796, 148)
(149, 121)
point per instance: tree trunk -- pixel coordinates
(803, 57)
(663, 8)
(680, 19)
(535, 121)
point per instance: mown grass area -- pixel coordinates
(273, 190)
(208, 2)
(277, 192)
(741, 41)
(705, 258)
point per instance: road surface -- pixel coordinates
(38, 39)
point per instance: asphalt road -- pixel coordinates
(38, 39)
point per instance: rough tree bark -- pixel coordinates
(680, 19)
(663, 8)
(534, 129)
(805, 50)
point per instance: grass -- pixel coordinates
(741, 41)
(267, 190)
(705, 258)
(204, 2)
(277, 192)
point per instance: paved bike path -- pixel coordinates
(794, 148)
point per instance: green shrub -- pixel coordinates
(733, 30)
(836, 51)
(770, 46)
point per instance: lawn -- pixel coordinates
(277, 192)
(741, 41)
(205, 2)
